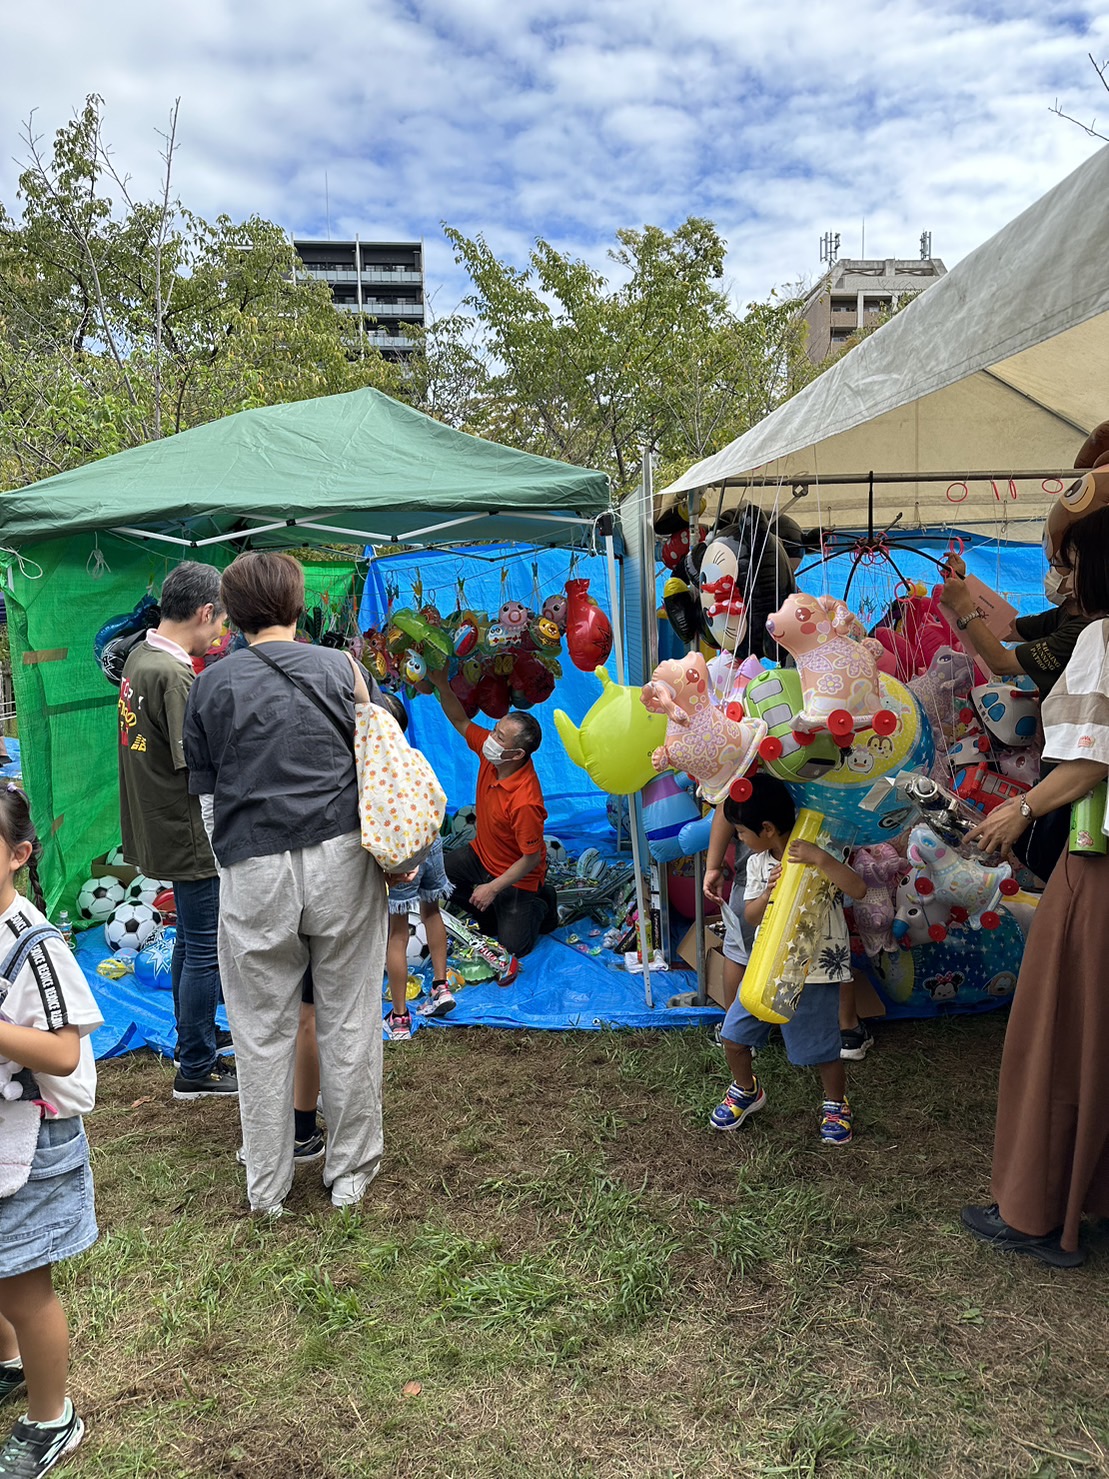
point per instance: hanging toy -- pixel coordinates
(838, 664)
(741, 574)
(615, 740)
(961, 890)
(466, 633)
(715, 746)
(554, 609)
(514, 617)
(413, 669)
(588, 629)
(879, 867)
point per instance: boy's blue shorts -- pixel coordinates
(430, 884)
(811, 1035)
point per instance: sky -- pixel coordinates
(523, 118)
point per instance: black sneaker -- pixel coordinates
(855, 1042)
(225, 1046)
(308, 1150)
(988, 1224)
(34, 1448)
(221, 1080)
(12, 1380)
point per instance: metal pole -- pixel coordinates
(698, 861)
(614, 606)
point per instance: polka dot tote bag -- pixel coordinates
(401, 802)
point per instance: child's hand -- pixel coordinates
(392, 879)
(775, 874)
(713, 886)
(807, 852)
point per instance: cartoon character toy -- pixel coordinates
(715, 746)
(838, 664)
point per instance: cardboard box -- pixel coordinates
(714, 959)
(101, 868)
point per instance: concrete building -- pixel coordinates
(382, 282)
(854, 291)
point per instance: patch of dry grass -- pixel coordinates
(585, 1282)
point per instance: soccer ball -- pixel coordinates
(130, 928)
(418, 950)
(557, 856)
(99, 897)
(115, 859)
(463, 826)
(143, 890)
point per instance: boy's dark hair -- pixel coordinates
(262, 589)
(186, 588)
(392, 705)
(1085, 548)
(16, 827)
(769, 801)
(529, 733)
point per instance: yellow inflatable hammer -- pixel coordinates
(616, 738)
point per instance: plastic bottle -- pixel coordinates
(1087, 840)
(65, 926)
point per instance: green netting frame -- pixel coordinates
(66, 709)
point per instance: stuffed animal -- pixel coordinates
(715, 749)
(879, 868)
(838, 664)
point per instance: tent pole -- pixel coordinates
(635, 828)
(614, 603)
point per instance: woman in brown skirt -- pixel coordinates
(1051, 1141)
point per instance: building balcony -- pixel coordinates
(369, 274)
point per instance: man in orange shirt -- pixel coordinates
(500, 877)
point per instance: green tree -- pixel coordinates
(560, 359)
(124, 319)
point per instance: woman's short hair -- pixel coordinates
(1085, 547)
(261, 589)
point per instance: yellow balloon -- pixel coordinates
(616, 739)
(790, 932)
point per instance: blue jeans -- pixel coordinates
(194, 971)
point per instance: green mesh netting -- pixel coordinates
(66, 708)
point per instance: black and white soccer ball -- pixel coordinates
(131, 927)
(418, 949)
(143, 890)
(557, 856)
(98, 898)
(116, 859)
(463, 826)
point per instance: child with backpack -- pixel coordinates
(47, 1012)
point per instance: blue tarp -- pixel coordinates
(493, 574)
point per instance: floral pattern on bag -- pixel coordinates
(400, 801)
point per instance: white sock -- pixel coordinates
(58, 1422)
(15, 1363)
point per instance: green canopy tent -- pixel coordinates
(81, 547)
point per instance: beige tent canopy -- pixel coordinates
(968, 407)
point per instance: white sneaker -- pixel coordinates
(348, 1191)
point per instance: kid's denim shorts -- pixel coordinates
(52, 1216)
(430, 884)
(811, 1035)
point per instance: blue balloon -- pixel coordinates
(839, 795)
(153, 966)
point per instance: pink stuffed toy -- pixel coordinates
(944, 693)
(704, 741)
(837, 662)
(879, 867)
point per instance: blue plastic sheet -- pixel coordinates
(566, 789)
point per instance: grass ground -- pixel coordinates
(561, 1272)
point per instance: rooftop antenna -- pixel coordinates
(327, 205)
(829, 247)
(925, 246)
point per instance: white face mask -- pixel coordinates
(492, 751)
(1054, 581)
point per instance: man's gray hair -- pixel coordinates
(186, 588)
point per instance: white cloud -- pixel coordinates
(572, 120)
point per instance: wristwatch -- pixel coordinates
(965, 621)
(1025, 810)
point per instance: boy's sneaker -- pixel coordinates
(855, 1042)
(221, 1080)
(12, 1380)
(439, 1003)
(34, 1448)
(736, 1105)
(398, 1026)
(835, 1122)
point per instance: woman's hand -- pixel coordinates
(956, 596)
(1001, 828)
